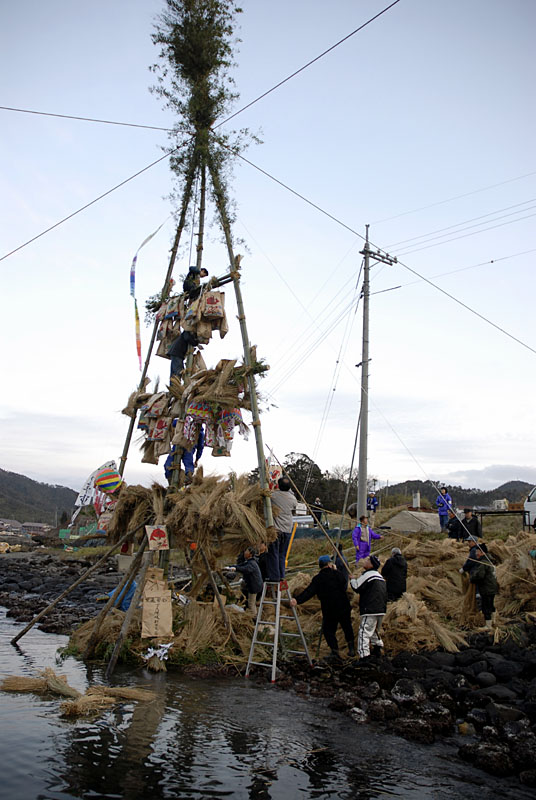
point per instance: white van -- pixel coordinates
(530, 508)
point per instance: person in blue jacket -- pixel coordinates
(444, 505)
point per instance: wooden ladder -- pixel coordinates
(280, 587)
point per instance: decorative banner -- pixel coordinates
(133, 288)
(157, 536)
(138, 334)
(88, 491)
(157, 616)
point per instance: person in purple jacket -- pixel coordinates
(444, 505)
(362, 538)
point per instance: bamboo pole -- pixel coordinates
(125, 584)
(69, 589)
(147, 559)
(187, 194)
(225, 616)
(234, 263)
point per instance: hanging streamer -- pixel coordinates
(133, 288)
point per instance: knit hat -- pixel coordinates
(323, 561)
(396, 550)
(375, 561)
(108, 480)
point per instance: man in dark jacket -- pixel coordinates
(454, 527)
(252, 579)
(471, 562)
(395, 571)
(483, 576)
(470, 525)
(372, 590)
(329, 585)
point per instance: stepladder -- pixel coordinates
(273, 592)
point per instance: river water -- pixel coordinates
(212, 739)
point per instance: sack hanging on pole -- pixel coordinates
(157, 537)
(213, 305)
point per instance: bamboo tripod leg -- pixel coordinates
(147, 559)
(69, 589)
(225, 616)
(124, 584)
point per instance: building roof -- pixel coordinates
(36, 524)
(11, 522)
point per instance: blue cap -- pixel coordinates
(323, 561)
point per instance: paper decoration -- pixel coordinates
(133, 288)
(157, 536)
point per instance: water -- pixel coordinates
(208, 739)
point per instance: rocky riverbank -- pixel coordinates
(485, 693)
(29, 582)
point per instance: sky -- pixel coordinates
(420, 125)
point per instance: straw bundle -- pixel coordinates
(109, 630)
(409, 625)
(47, 682)
(134, 507)
(98, 698)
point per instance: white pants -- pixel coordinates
(369, 633)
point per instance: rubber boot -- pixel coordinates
(351, 650)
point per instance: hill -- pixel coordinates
(514, 491)
(26, 500)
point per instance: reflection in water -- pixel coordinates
(210, 740)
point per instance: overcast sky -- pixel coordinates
(421, 125)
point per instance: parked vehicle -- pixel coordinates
(530, 508)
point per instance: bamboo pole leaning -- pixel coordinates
(125, 584)
(73, 586)
(147, 560)
(217, 595)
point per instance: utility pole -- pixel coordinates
(367, 253)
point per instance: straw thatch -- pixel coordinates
(47, 682)
(410, 625)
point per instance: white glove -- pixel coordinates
(461, 570)
(353, 583)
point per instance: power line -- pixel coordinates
(456, 197)
(305, 66)
(471, 266)
(468, 308)
(464, 222)
(85, 119)
(87, 205)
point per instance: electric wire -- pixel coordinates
(309, 63)
(464, 222)
(85, 119)
(87, 205)
(456, 197)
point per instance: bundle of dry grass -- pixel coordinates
(48, 682)
(410, 625)
(516, 574)
(99, 698)
(134, 507)
(109, 630)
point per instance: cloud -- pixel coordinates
(490, 477)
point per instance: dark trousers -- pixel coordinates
(275, 558)
(488, 606)
(330, 623)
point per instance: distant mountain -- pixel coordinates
(26, 500)
(513, 491)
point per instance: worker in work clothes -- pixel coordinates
(284, 504)
(372, 590)
(454, 527)
(329, 585)
(444, 504)
(471, 525)
(191, 285)
(251, 578)
(483, 576)
(372, 505)
(395, 571)
(362, 538)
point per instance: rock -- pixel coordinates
(443, 659)
(486, 679)
(500, 714)
(380, 710)
(408, 693)
(492, 758)
(499, 693)
(339, 704)
(523, 751)
(506, 670)
(371, 691)
(467, 657)
(415, 730)
(477, 716)
(479, 666)
(411, 661)
(528, 777)
(358, 715)
(529, 708)
(515, 731)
